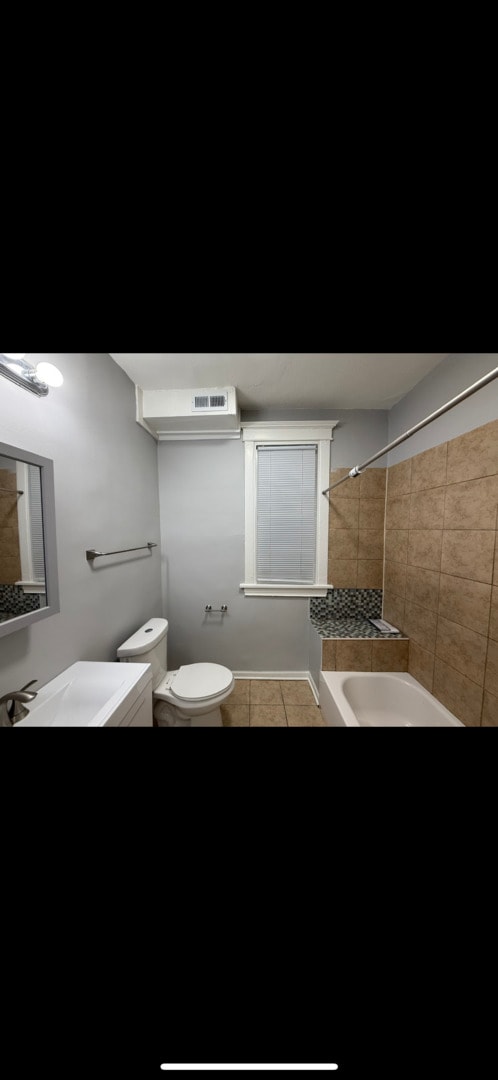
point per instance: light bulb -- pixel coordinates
(49, 374)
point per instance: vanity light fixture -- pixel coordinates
(37, 379)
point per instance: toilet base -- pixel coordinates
(166, 715)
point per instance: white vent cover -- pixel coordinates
(208, 400)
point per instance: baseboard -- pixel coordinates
(314, 688)
(280, 676)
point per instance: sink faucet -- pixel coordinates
(12, 705)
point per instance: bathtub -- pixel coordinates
(379, 699)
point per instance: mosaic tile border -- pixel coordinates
(344, 603)
(14, 601)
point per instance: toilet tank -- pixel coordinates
(148, 645)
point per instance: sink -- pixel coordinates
(94, 694)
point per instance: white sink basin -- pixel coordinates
(93, 694)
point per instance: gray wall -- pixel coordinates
(448, 378)
(106, 496)
(201, 492)
(201, 486)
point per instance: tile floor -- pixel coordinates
(270, 703)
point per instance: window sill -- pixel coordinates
(284, 590)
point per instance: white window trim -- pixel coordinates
(319, 432)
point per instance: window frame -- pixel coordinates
(317, 433)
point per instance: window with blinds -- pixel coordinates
(36, 523)
(286, 513)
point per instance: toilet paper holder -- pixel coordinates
(223, 608)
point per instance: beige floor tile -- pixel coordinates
(235, 715)
(297, 692)
(265, 692)
(240, 692)
(304, 716)
(267, 716)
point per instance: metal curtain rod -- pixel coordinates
(92, 554)
(357, 469)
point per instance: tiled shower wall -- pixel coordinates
(10, 560)
(441, 570)
(356, 530)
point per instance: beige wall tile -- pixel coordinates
(370, 573)
(395, 578)
(424, 548)
(343, 544)
(468, 553)
(267, 716)
(490, 710)
(10, 569)
(265, 692)
(371, 544)
(399, 478)
(462, 649)
(427, 509)
(458, 693)
(398, 512)
(493, 620)
(422, 587)
(396, 545)
(328, 654)
(389, 655)
(491, 679)
(349, 490)
(353, 655)
(429, 468)
(393, 609)
(235, 715)
(373, 484)
(420, 624)
(342, 573)
(343, 513)
(297, 692)
(473, 454)
(465, 602)
(304, 716)
(421, 665)
(472, 504)
(371, 514)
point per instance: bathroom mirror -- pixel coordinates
(29, 588)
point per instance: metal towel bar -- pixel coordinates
(91, 554)
(11, 491)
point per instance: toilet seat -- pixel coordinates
(200, 682)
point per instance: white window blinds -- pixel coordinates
(286, 513)
(36, 523)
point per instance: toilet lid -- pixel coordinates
(197, 682)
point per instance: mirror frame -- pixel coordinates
(52, 607)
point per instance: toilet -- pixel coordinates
(189, 697)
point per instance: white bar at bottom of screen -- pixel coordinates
(302, 1068)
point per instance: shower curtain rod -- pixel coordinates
(357, 469)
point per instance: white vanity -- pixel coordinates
(94, 694)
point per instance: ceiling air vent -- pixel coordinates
(203, 401)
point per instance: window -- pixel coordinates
(287, 467)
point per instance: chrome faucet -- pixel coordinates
(12, 705)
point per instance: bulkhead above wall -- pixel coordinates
(197, 413)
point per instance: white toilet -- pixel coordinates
(189, 697)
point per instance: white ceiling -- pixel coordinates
(287, 380)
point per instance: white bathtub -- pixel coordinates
(379, 699)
